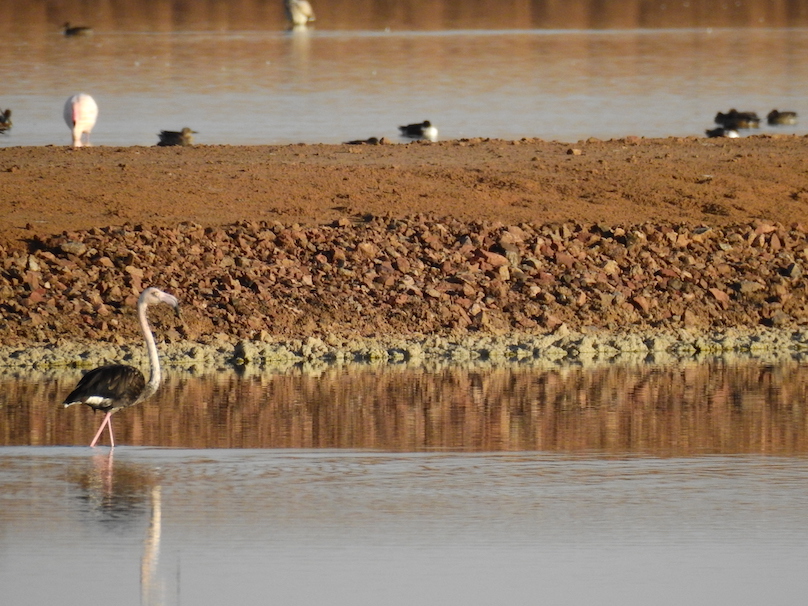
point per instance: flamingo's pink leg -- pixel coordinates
(100, 429)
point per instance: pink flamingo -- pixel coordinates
(81, 112)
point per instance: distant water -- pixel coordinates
(329, 86)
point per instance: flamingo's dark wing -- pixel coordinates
(108, 387)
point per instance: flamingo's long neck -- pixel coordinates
(155, 374)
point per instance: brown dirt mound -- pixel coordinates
(459, 236)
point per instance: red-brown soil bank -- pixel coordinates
(484, 237)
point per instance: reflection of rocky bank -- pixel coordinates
(687, 408)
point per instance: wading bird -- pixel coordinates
(421, 130)
(5, 121)
(172, 137)
(111, 388)
(299, 12)
(80, 114)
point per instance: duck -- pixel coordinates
(77, 30)
(730, 133)
(735, 119)
(5, 121)
(370, 141)
(172, 137)
(777, 118)
(420, 130)
(299, 12)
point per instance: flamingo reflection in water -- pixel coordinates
(119, 495)
(151, 552)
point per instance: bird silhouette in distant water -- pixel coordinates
(730, 133)
(77, 30)
(117, 386)
(171, 137)
(420, 130)
(81, 112)
(5, 121)
(776, 118)
(299, 12)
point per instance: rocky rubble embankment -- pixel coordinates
(391, 287)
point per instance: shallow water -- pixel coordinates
(330, 86)
(394, 485)
(160, 526)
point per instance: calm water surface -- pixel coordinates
(160, 526)
(613, 485)
(330, 86)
